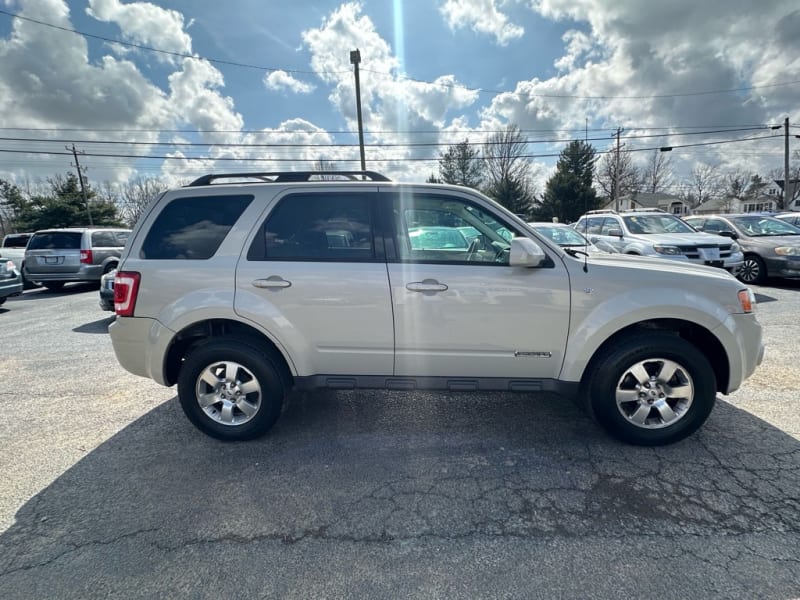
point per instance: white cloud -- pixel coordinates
(391, 105)
(482, 16)
(146, 24)
(281, 80)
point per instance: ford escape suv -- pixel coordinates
(239, 288)
(54, 257)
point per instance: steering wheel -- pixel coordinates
(501, 252)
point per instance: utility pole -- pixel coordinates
(355, 59)
(788, 188)
(616, 173)
(83, 187)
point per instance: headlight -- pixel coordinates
(735, 247)
(787, 250)
(671, 250)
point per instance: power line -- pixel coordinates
(394, 76)
(373, 160)
(340, 145)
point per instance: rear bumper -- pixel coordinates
(140, 345)
(84, 273)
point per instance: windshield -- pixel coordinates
(656, 223)
(759, 226)
(437, 238)
(561, 235)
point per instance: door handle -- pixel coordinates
(272, 282)
(426, 285)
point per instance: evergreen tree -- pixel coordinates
(65, 207)
(569, 192)
(462, 165)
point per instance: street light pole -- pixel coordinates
(355, 59)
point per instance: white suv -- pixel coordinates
(239, 288)
(653, 232)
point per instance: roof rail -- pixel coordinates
(657, 210)
(601, 211)
(289, 176)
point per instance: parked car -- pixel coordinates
(793, 218)
(771, 246)
(567, 237)
(107, 290)
(13, 247)
(232, 290)
(10, 280)
(58, 256)
(437, 238)
(656, 233)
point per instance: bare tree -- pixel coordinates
(508, 177)
(134, 196)
(657, 175)
(607, 176)
(326, 165)
(702, 186)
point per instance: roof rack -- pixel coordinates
(290, 176)
(645, 210)
(601, 211)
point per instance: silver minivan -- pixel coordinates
(58, 256)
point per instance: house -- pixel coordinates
(666, 202)
(766, 201)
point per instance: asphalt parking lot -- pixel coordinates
(108, 491)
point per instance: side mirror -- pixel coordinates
(525, 253)
(616, 232)
(731, 234)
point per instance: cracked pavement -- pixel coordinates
(108, 491)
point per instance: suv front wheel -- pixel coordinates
(651, 389)
(230, 389)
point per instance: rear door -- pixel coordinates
(54, 252)
(315, 277)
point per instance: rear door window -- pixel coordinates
(193, 228)
(313, 227)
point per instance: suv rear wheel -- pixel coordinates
(230, 389)
(651, 389)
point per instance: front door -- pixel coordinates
(459, 308)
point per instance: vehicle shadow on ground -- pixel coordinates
(42, 293)
(99, 326)
(383, 494)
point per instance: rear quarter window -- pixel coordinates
(193, 228)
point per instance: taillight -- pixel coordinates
(126, 288)
(86, 257)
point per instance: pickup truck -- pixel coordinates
(13, 248)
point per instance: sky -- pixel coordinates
(178, 88)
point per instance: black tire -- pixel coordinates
(109, 267)
(753, 271)
(224, 417)
(53, 286)
(2, 301)
(659, 411)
